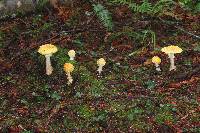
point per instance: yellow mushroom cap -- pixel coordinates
(68, 67)
(156, 60)
(71, 53)
(101, 62)
(171, 49)
(47, 49)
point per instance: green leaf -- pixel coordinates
(197, 7)
(56, 96)
(150, 84)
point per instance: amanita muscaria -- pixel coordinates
(47, 50)
(156, 60)
(71, 54)
(68, 68)
(100, 62)
(171, 50)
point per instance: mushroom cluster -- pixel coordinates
(48, 49)
(170, 51)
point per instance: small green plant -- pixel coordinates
(85, 75)
(85, 112)
(197, 48)
(104, 15)
(134, 113)
(145, 6)
(61, 58)
(153, 37)
(190, 5)
(197, 7)
(97, 88)
(100, 116)
(150, 84)
(2, 35)
(41, 4)
(55, 96)
(165, 114)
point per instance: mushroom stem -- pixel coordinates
(157, 67)
(69, 77)
(171, 57)
(49, 68)
(71, 58)
(100, 69)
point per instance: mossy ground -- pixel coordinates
(129, 96)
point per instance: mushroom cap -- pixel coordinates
(71, 53)
(47, 49)
(68, 67)
(171, 49)
(156, 60)
(101, 62)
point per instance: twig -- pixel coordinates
(188, 32)
(181, 29)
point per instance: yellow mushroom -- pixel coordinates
(156, 60)
(68, 68)
(71, 54)
(171, 50)
(100, 62)
(47, 50)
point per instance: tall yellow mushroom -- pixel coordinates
(156, 60)
(68, 68)
(171, 50)
(100, 62)
(47, 50)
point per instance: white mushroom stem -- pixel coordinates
(171, 57)
(69, 77)
(157, 67)
(100, 69)
(71, 58)
(49, 68)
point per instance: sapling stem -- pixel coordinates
(49, 68)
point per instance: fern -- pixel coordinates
(104, 15)
(145, 6)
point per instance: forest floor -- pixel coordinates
(129, 96)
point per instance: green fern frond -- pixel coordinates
(145, 6)
(104, 15)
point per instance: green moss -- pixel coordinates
(85, 112)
